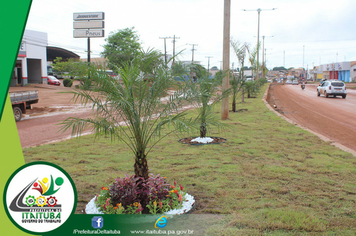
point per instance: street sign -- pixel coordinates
(91, 24)
(88, 33)
(88, 16)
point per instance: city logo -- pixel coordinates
(161, 222)
(97, 222)
(39, 197)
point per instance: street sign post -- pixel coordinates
(88, 25)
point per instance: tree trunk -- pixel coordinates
(203, 130)
(243, 95)
(141, 167)
(234, 103)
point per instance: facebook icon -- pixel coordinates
(97, 222)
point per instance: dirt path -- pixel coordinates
(334, 118)
(40, 124)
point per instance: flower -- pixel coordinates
(160, 203)
(181, 187)
(96, 197)
(107, 203)
(154, 203)
(175, 183)
(136, 204)
(139, 208)
(172, 187)
(118, 205)
(180, 198)
(104, 188)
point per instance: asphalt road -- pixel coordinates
(334, 118)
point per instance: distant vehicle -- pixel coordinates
(21, 101)
(288, 81)
(53, 80)
(295, 82)
(49, 70)
(111, 73)
(332, 88)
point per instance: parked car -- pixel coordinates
(53, 80)
(295, 82)
(332, 88)
(288, 81)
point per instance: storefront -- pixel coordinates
(337, 71)
(31, 64)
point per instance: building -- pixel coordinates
(31, 63)
(345, 71)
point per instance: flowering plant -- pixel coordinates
(133, 195)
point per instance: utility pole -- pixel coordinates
(263, 50)
(174, 46)
(265, 56)
(209, 64)
(303, 61)
(165, 49)
(191, 65)
(258, 35)
(226, 59)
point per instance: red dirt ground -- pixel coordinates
(334, 118)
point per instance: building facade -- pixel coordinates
(31, 63)
(344, 71)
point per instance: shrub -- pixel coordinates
(134, 195)
(67, 82)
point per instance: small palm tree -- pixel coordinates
(237, 82)
(204, 94)
(132, 110)
(252, 57)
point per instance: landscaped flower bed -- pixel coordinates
(135, 195)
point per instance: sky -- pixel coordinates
(298, 33)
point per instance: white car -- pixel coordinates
(295, 82)
(332, 87)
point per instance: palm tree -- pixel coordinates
(252, 57)
(237, 83)
(204, 94)
(132, 110)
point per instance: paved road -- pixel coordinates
(334, 118)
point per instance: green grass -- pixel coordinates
(269, 178)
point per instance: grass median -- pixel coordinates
(270, 177)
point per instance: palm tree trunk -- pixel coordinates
(203, 130)
(243, 95)
(141, 166)
(234, 102)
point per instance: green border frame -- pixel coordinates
(15, 16)
(32, 164)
